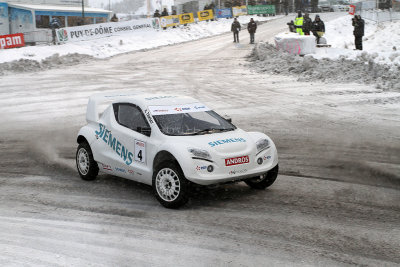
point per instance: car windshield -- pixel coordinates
(193, 119)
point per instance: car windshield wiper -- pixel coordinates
(208, 130)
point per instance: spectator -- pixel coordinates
(114, 18)
(298, 23)
(173, 12)
(235, 28)
(307, 24)
(318, 28)
(157, 14)
(252, 27)
(164, 13)
(358, 32)
(54, 24)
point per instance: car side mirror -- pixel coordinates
(144, 130)
(228, 119)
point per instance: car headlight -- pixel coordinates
(262, 144)
(200, 153)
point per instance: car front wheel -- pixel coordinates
(170, 186)
(85, 163)
(265, 180)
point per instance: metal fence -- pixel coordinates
(380, 15)
(39, 36)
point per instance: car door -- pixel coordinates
(132, 130)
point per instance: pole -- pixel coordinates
(83, 12)
(148, 8)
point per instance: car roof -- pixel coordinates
(145, 100)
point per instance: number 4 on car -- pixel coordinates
(171, 142)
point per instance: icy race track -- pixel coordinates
(337, 200)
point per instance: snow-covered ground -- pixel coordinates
(110, 46)
(381, 43)
(339, 146)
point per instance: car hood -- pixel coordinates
(232, 142)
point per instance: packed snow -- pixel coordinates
(110, 46)
(377, 64)
(381, 42)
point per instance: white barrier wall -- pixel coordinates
(94, 31)
(294, 43)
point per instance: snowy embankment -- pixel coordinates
(378, 64)
(381, 43)
(45, 56)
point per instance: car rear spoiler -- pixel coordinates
(92, 112)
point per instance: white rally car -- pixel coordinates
(168, 142)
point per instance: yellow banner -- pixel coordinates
(239, 10)
(186, 18)
(205, 15)
(169, 21)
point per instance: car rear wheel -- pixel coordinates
(265, 180)
(85, 163)
(170, 185)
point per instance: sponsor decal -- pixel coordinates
(160, 97)
(227, 141)
(148, 115)
(233, 172)
(140, 151)
(12, 40)
(106, 167)
(131, 172)
(185, 108)
(62, 35)
(237, 161)
(267, 157)
(120, 170)
(200, 168)
(114, 144)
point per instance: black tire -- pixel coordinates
(263, 181)
(85, 163)
(170, 186)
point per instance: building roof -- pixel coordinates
(59, 8)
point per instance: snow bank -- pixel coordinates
(265, 58)
(381, 42)
(110, 46)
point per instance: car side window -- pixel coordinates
(130, 116)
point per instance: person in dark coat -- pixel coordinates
(252, 27)
(358, 32)
(114, 18)
(307, 24)
(54, 24)
(157, 14)
(235, 28)
(318, 27)
(164, 13)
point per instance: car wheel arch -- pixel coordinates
(163, 156)
(81, 139)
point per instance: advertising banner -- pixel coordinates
(223, 13)
(169, 21)
(205, 15)
(186, 18)
(239, 11)
(352, 9)
(261, 9)
(12, 40)
(94, 31)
